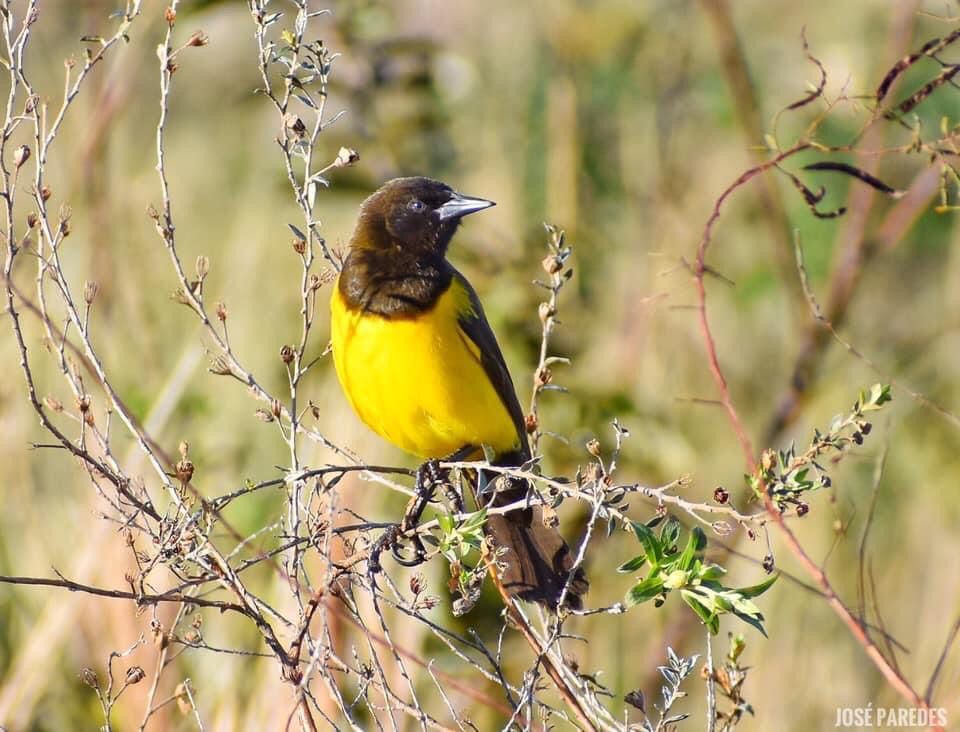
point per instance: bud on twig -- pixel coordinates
(21, 156)
(767, 460)
(90, 290)
(287, 354)
(295, 125)
(593, 447)
(184, 471)
(65, 213)
(170, 15)
(720, 495)
(199, 38)
(89, 677)
(135, 674)
(546, 311)
(530, 423)
(543, 376)
(552, 264)
(346, 157)
(203, 267)
(221, 312)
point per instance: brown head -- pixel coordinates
(416, 215)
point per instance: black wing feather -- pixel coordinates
(475, 326)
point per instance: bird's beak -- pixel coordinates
(459, 206)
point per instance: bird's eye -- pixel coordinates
(416, 205)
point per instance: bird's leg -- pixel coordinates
(453, 496)
(429, 476)
(387, 539)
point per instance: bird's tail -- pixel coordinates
(537, 561)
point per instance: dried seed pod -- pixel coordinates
(89, 677)
(135, 674)
(20, 156)
(203, 267)
(90, 290)
(530, 423)
(551, 264)
(184, 471)
(546, 311)
(346, 157)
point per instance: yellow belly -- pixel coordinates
(419, 382)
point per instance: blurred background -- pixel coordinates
(620, 122)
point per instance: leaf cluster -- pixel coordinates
(673, 568)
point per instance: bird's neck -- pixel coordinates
(394, 282)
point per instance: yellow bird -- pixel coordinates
(421, 366)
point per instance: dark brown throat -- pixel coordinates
(393, 283)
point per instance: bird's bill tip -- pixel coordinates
(460, 205)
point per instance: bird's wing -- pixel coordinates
(473, 323)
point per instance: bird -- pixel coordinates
(421, 366)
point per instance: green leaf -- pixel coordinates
(670, 533)
(758, 589)
(632, 565)
(707, 617)
(446, 523)
(646, 590)
(756, 622)
(648, 540)
(695, 543)
(745, 606)
(878, 396)
(712, 572)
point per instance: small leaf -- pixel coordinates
(632, 565)
(670, 533)
(651, 546)
(646, 590)
(758, 589)
(707, 617)
(712, 572)
(695, 543)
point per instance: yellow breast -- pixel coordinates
(418, 382)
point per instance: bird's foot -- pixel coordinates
(429, 476)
